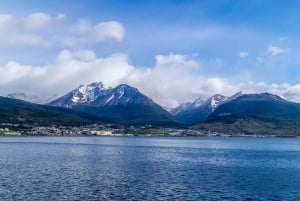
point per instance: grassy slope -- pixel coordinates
(252, 125)
(17, 111)
(260, 109)
(262, 117)
(134, 114)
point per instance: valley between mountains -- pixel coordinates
(264, 113)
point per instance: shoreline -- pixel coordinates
(151, 135)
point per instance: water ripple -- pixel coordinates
(37, 168)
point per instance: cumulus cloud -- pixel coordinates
(274, 50)
(5, 18)
(292, 92)
(175, 79)
(285, 90)
(37, 20)
(41, 29)
(243, 54)
(270, 54)
(172, 80)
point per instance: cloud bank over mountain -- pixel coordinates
(173, 79)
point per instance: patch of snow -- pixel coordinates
(121, 92)
(31, 98)
(198, 102)
(216, 100)
(88, 93)
(213, 103)
(75, 99)
(109, 99)
(97, 94)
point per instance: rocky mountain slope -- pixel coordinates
(123, 104)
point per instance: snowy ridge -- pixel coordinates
(201, 108)
(97, 95)
(211, 103)
(88, 93)
(31, 98)
(180, 108)
(121, 104)
(215, 101)
(198, 102)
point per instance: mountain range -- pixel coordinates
(123, 104)
(255, 113)
(31, 98)
(200, 109)
(127, 105)
(264, 105)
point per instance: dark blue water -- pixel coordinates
(138, 168)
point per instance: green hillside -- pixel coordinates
(17, 111)
(248, 125)
(256, 113)
(135, 114)
(249, 106)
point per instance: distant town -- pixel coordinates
(8, 129)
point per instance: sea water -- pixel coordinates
(149, 168)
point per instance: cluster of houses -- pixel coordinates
(92, 130)
(72, 131)
(106, 130)
(16, 129)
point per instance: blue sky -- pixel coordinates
(208, 46)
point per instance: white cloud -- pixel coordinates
(260, 60)
(270, 54)
(172, 80)
(5, 18)
(37, 20)
(292, 92)
(41, 29)
(274, 50)
(60, 17)
(285, 90)
(68, 71)
(243, 54)
(109, 29)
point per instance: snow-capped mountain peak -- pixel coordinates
(125, 94)
(274, 97)
(120, 104)
(211, 104)
(124, 89)
(88, 93)
(198, 110)
(96, 94)
(262, 97)
(31, 98)
(233, 97)
(216, 100)
(236, 95)
(21, 96)
(180, 108)
(198, 102)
